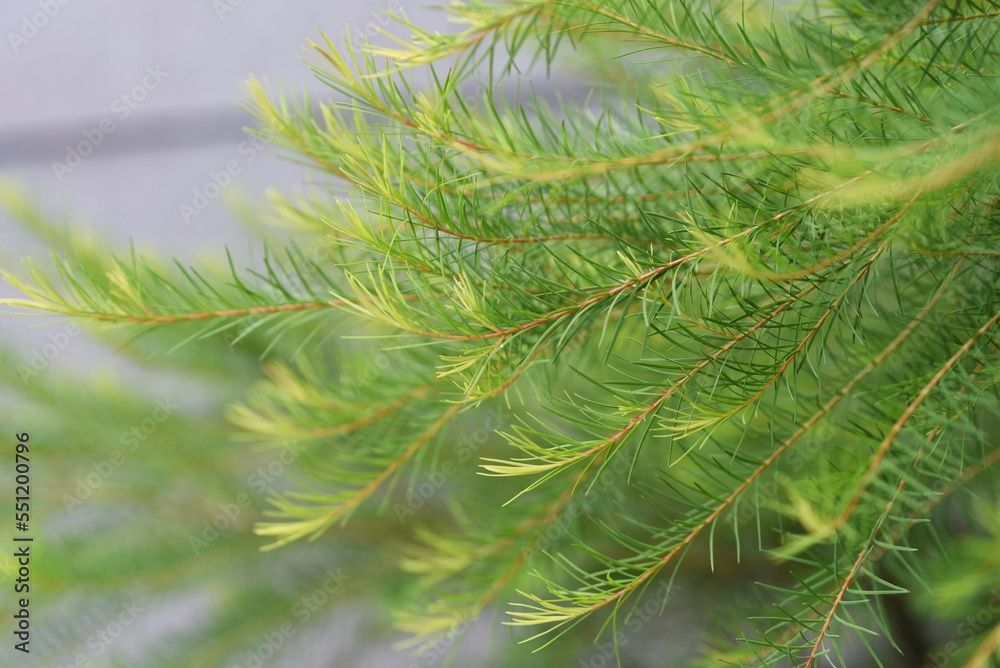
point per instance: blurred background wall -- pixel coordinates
(149, 91)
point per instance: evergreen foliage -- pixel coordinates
(728, 324)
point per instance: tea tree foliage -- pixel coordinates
(737, 308)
